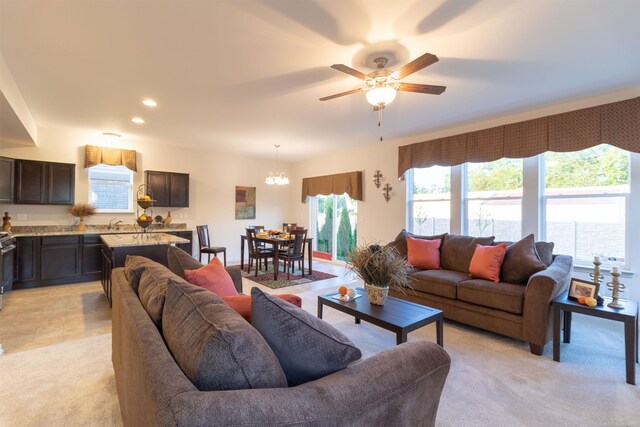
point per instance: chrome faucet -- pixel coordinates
(113, 224)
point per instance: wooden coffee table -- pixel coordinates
(396, 315)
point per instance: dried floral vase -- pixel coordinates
(81, 225)
(377, 295)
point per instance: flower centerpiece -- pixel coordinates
(81, 210)
(380, 267)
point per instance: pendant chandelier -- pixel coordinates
(277, 178)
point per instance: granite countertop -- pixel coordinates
(141, 239)
(68, 230)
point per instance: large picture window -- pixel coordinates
(111, 188)
(586, 198)
(494, 199)
(429, 200)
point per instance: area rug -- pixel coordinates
(266, 277)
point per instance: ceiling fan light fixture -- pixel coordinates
(381, 95)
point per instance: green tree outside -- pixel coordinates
(345, 236)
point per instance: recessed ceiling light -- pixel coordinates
(111, 136)
(137, 120)
(150, 103)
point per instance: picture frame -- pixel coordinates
(579, 287)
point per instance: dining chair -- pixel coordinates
(288, 226)
(257, 253)
(294, 251)
(205, 245)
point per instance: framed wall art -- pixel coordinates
(245, 202)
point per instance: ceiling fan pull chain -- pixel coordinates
(380, 118)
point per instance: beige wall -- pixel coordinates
(213, 177)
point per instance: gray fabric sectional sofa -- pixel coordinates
(519, 306)
(400, 386)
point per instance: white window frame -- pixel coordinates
(120, 170)
(411, 202)
(466, 198)
(627, 207)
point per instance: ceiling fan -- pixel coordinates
(382, 84)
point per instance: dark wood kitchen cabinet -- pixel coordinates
(187, 247)
(44, 182)
(91, 257)
(26, 260)
(60, 258)
(6, 180)
(170, 189)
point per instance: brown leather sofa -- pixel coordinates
(517, 310)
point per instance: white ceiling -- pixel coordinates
(242, 75)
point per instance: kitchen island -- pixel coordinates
(116, 247)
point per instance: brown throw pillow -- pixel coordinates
(134, 266)
(521, 261)
(545, 252)
(152, 289)
(213, 345)
(457, 250)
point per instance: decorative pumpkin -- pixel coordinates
(581, 299)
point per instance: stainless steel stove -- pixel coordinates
(7, 249)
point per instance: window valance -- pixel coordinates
(616, 124)
(94, 155)
(348, 182)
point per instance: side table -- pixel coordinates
(628, 315)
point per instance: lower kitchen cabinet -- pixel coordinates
(56, 260)
(26, 258)
(60, 258)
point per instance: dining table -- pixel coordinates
(276, 241)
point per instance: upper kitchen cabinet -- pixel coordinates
(170, 189)
(6, 180)
(44, 182)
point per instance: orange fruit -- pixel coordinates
(342, 290)
(581, 299)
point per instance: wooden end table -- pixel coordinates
(628, 315)
(396, 315)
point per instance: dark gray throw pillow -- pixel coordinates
(521, 261)
(213, 345)
(545, 252)
(307, 348)
(179, 261)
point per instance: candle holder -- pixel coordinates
(598, 277)
(615, 287)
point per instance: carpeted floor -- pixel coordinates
(266, 277)
(494, 381)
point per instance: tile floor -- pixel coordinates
(38, 317)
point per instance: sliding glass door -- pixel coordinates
(335, 219)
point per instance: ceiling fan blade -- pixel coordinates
(338, 95)
(413, 87)
(350, 71)
(416, 65)
(378, 107)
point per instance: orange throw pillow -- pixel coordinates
(423, 253)
(213, 277)
(242, 303)
(486, 262)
